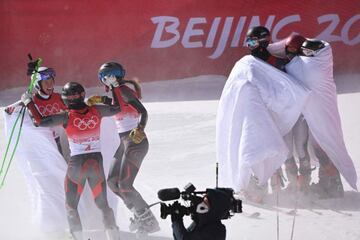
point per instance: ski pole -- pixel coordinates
(217, 174)
(33, 78)
(18, 103)
(9, 141)
(16, 143)
(21, 114)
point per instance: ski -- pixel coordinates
(90, 234)
(269, 207)
(311, 210)
(299, 203)
(291, 212)
(320, 205)
(250, 215)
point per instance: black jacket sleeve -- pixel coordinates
(181, 233)
(208, 232)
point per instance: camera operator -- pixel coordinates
(206, 223)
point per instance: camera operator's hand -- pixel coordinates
(177, 215)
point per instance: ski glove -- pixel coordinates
(31, 67)
(106, 100)
(110, 81)
(137, 135)
(9, 110)
(26, 98)
(98, 99)
(93, 100)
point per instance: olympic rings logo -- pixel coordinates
(86, 123)
(49, 109)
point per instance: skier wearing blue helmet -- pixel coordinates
(130, 124)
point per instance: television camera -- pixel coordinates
(194, 198)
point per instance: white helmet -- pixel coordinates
(43, 73)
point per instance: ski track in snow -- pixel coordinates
(182, 150)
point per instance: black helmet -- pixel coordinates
(258, 36)
(310, 47)
(111, 69)
(73, 95)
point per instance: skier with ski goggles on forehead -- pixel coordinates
(82, 126)
(45, 99)
(258, 40)
(134, 145)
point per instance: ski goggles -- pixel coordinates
(252, 42)
(47, 74)
(308, 52)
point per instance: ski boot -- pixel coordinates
(329, 185)
(255, 192)
(78, 235)
(112, 233)
(111, 229)
(291, 170)
(143, 222)
(75, 224)
(336, 190)
(304, 178)
(277, 181)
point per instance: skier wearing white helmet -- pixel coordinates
(46, 100)
(43, 165)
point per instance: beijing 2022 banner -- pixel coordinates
(161, 39)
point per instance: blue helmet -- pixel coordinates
(111, 69)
